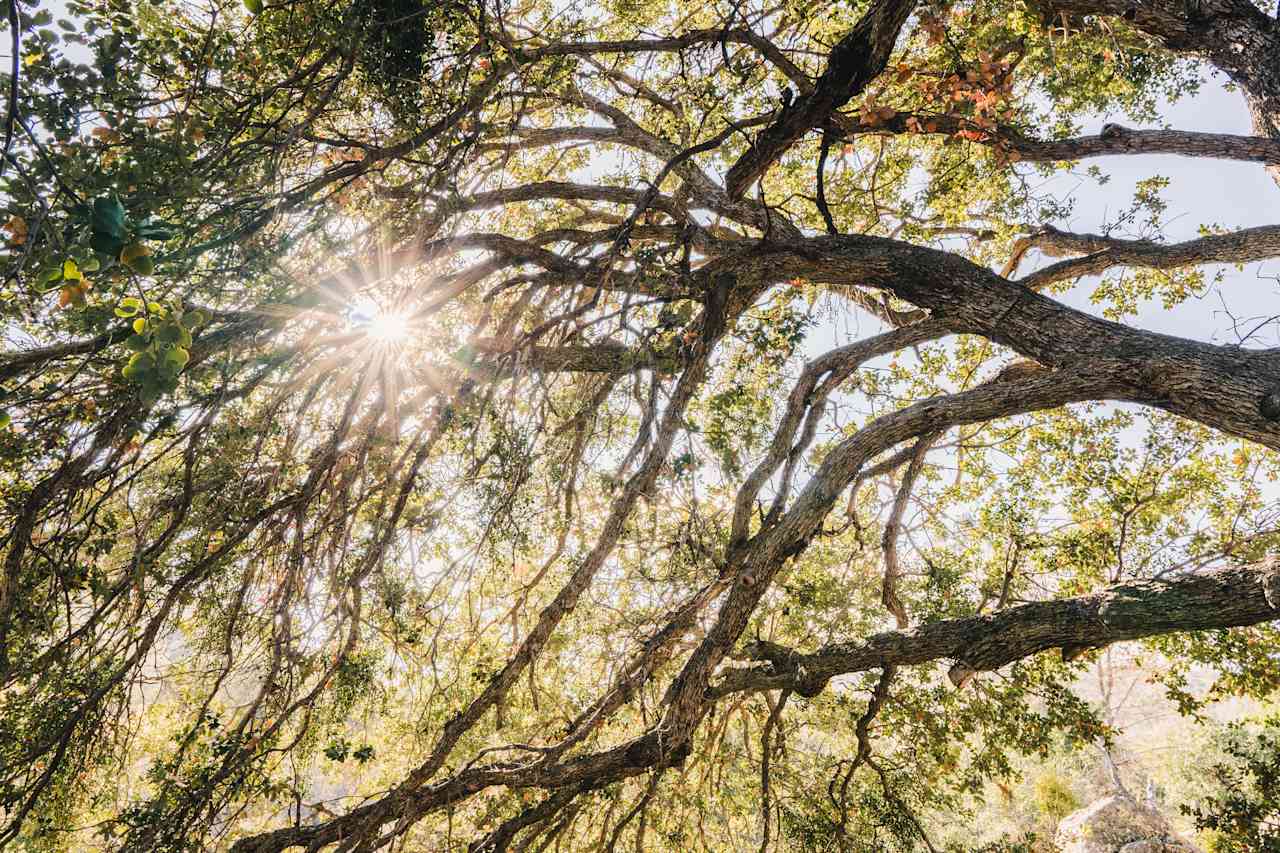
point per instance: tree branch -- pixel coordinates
(1238, 247)
(854, 62)
(1114, 140)
(1226, 598)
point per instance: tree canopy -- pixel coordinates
(653, 424)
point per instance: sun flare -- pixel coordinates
(388, 327)
(381, 325)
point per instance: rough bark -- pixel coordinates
(1225, 598)
(1115, 140)
(854, 62)
(1103, 253)
(1234, 35)
(1225, 387)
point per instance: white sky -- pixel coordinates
(1201, 192)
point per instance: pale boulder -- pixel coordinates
(1117, 824)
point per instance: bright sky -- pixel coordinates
(1201, 192)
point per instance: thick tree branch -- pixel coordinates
(1231, 389)
(854, 62)
(1224, 598)
(1235, 35)
(1237, 247)
(1114, 140)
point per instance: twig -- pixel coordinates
(15, 23)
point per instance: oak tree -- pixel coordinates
(497, 424)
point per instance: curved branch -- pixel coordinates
(693, 38)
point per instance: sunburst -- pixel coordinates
(381, 326)
(388, 328)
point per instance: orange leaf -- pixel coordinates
(17, 228)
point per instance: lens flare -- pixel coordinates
(387, 327)
(381, 325)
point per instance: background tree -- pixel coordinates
(490, 425)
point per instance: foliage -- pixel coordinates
(1244, 812)
(1054, 797)
(406, 437)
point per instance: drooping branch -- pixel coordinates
(889, 541)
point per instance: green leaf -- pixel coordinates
(142, 265)
(169, 333)
(139, 367)
(70, 271)
(108, 217)
(179, 356)
(172, 362)
(254, 6)
(106, 244)
(137, 343)
(129, 306)
(5, 419)
(140, 325)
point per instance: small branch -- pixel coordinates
(15, 24)
(765, 748)
(889, 542)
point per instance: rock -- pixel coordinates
(1117, 824)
